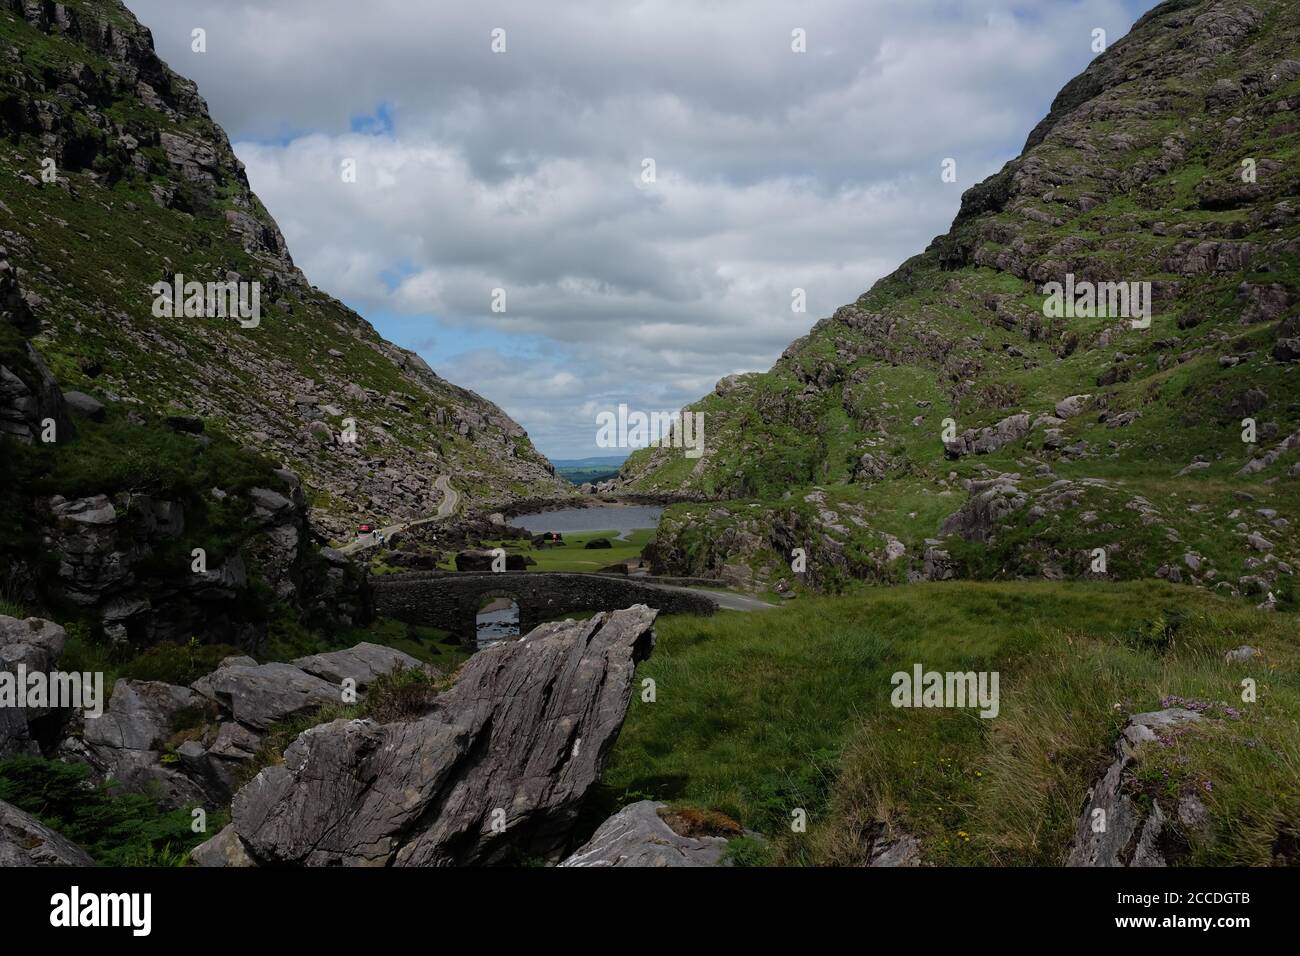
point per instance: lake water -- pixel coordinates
(497, 623)
(621, 519)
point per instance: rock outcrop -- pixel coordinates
(125, 746)
(638, 836)
(991, 501)
(1115, 829)
(107, 547)
(259, 695)
(25, 841)
(495, 770)
(190, 746)
(30, 399)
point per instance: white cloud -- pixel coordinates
(521, 171)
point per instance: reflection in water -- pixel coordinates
(497, 621)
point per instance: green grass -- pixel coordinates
(757, 715)
(289, 639)
(11, 608)
(171, 663)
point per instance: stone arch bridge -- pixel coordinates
(451, 600)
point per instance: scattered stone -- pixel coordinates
(1259, 542)
(85, 405)
(1070, 407)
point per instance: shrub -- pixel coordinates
(115, 829)
(401, 695)
(177, 663)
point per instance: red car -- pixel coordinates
(365, 528)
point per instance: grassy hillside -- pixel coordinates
(757, 715)
(879, 413)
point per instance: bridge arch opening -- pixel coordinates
(497, 618)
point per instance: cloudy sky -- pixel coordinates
(526, 170)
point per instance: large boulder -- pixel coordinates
(362, 663)
(140, 715)
(259, 695)
(496, 769)
(87, 406)
(25, 841)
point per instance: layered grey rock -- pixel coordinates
(638, 836)
(497, 767)
(124, 746)
(258, 695)
(139, 715)
(25, 841)
(982, 441)
(362, 663)
(1113, 829)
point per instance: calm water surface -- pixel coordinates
(621, 519)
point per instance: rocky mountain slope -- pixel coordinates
(113, 177)
(946, 424)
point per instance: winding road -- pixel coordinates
(730, 600)
(446, 508)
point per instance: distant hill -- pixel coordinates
(581, 470)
